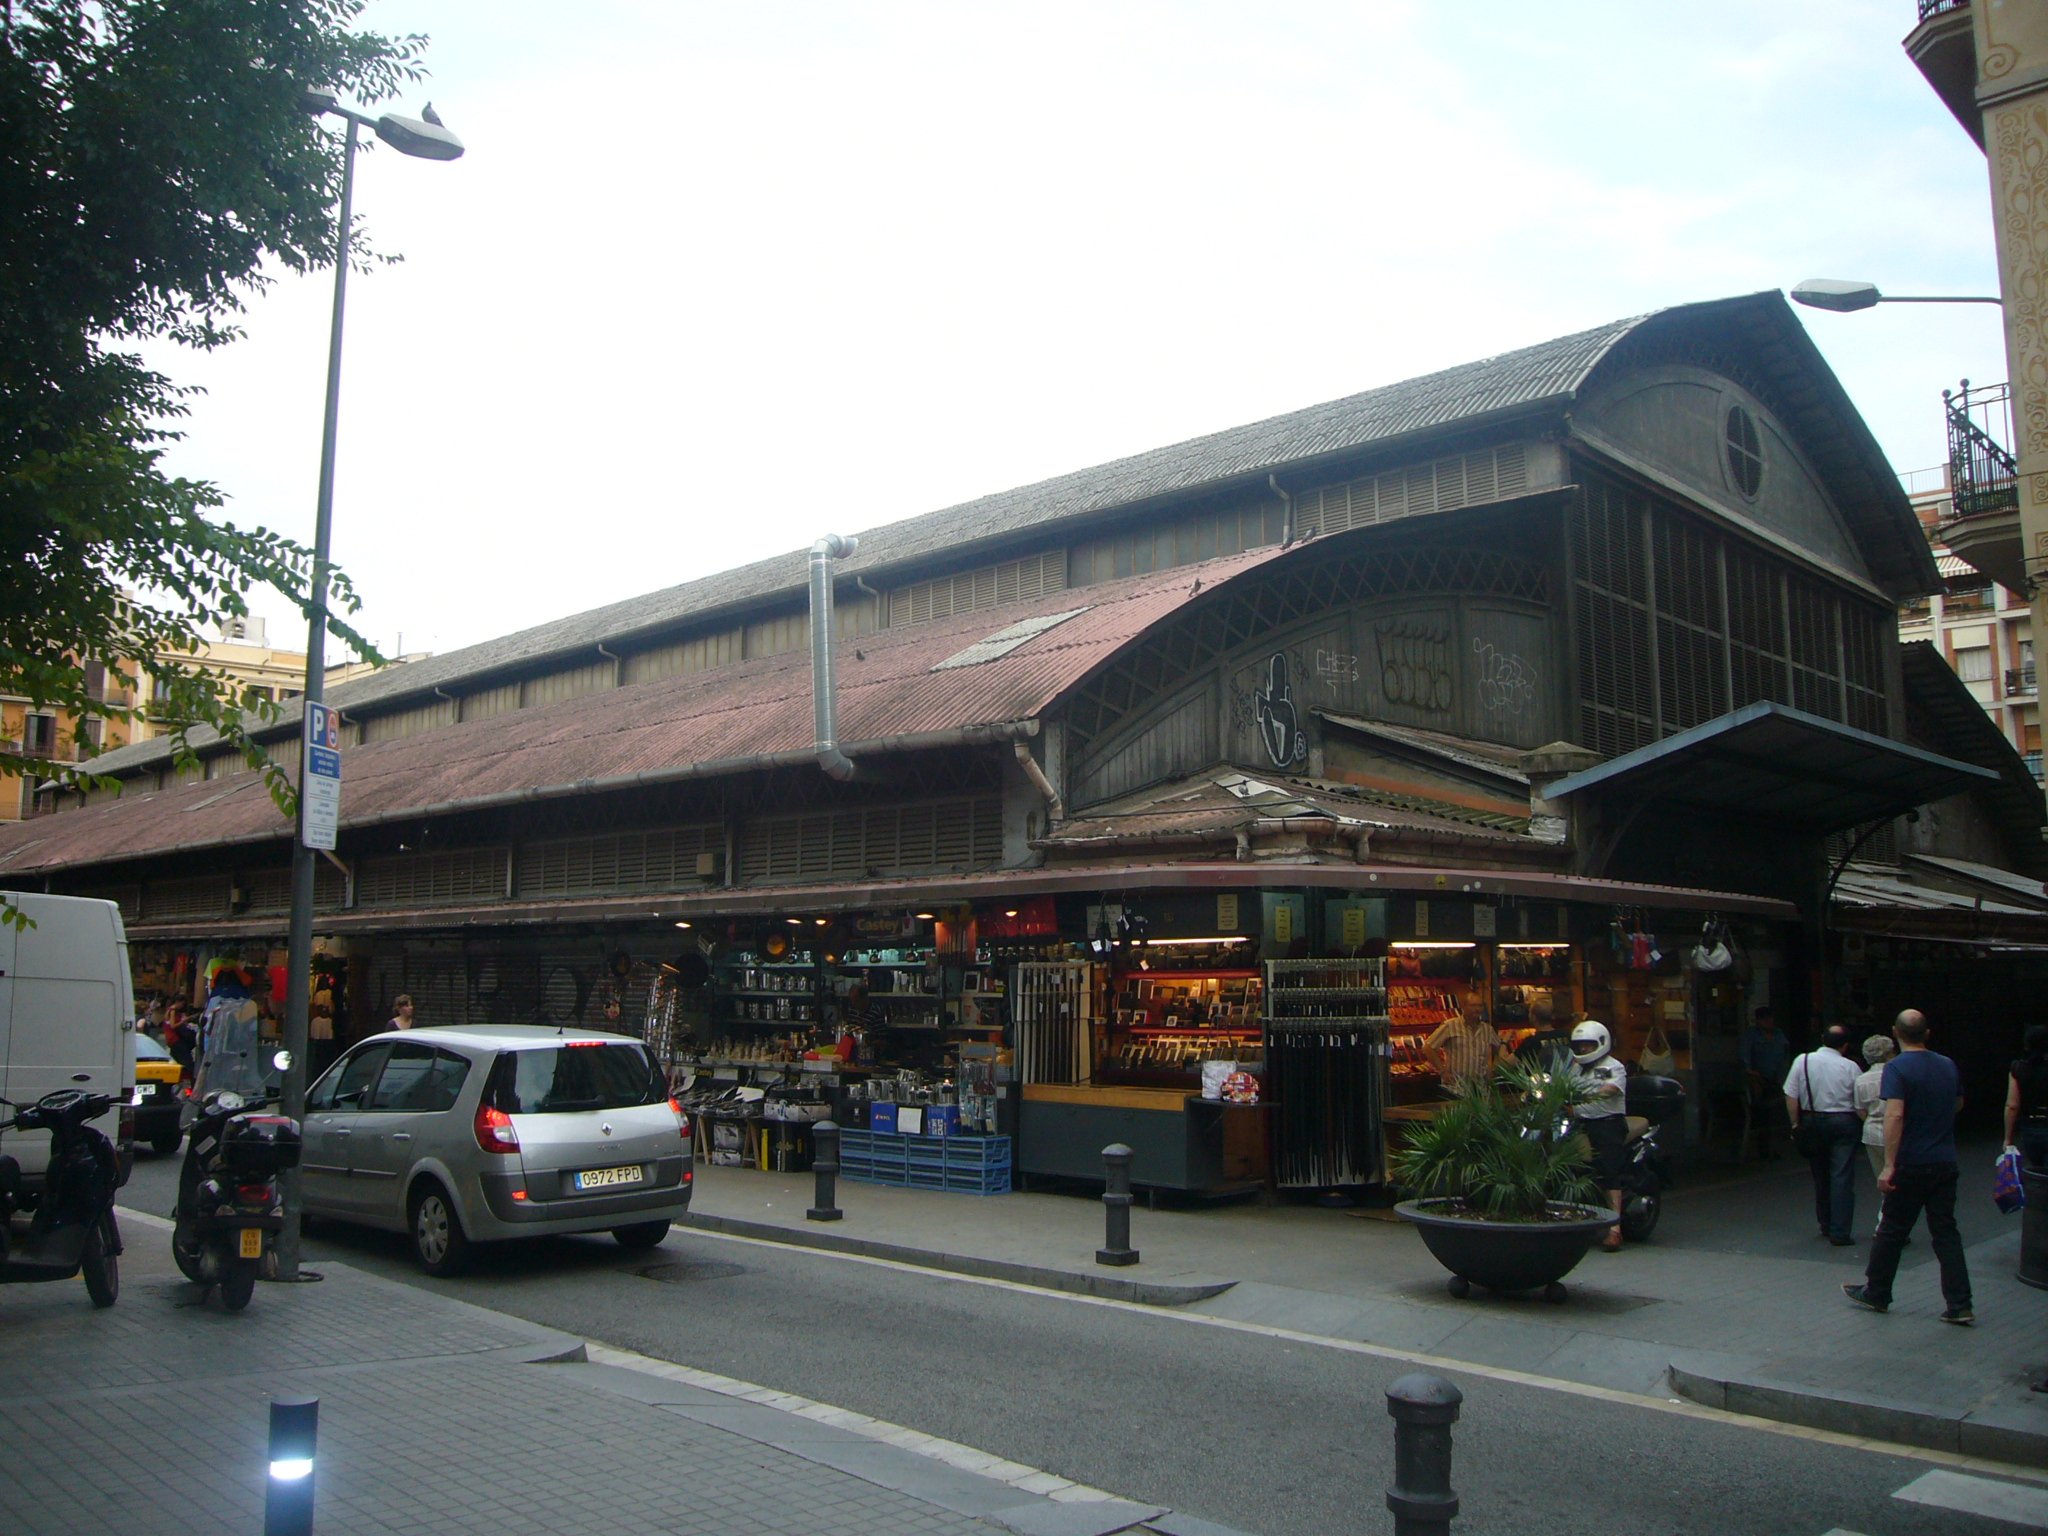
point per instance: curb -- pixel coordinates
(1982, 1433)
(1144, 1292)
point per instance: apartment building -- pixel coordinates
(1984, 629)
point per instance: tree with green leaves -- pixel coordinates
(155, 159)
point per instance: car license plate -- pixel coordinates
(602, 1178)
(252, 1242)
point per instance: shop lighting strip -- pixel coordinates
(1231, 938)
(1433, 944)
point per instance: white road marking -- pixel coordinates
(143, 1218)
(1678, 1407)
(951, 1452)
(2010, 1502)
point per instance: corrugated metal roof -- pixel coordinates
(1549, 373)
(1550, 370)
(886, 689)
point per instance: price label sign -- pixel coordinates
(320, 778)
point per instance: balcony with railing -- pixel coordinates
(1944, 46)
(2019, 682)
(1984, 484)
(2033, 762)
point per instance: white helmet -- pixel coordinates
(1590, 1042)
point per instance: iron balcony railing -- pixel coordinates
(1938, 7)
(2033, 762)
(2019, 680)
(1983, 474)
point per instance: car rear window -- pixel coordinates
(574, 1078)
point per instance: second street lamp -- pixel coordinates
(423, 138)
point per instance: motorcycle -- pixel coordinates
(70, 1228)
(230, 1204)
(1653, 1103)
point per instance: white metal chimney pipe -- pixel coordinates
(831, 547)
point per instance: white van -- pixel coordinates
(67, 1011)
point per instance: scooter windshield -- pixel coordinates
(231, 1052)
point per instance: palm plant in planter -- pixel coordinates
(1503, 1196)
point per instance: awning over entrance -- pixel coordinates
(1781, 765)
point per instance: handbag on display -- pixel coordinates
(1658, 1059)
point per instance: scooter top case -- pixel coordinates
(259, 1146)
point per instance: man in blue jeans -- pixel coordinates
(1921, 1093)
(1821, 1089)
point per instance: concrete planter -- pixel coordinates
(1508, 1255)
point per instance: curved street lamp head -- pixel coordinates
(422, 137)
(1837, 294)
(1843, 296)
(419, 138)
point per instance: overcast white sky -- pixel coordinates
(717, 278)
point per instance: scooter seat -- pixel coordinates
(1637, 1124)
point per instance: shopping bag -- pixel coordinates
(2006, 1187)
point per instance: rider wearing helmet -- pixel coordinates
(1603, 1119)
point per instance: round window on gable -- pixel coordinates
(1745, 451)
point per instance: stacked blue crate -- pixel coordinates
(978, 1165)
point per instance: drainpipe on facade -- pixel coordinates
(1287, 513)
(1054, 807)
(837, 764)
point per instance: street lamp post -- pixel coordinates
(423, 138)
(1843, 296)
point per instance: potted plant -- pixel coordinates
(1500, 1191)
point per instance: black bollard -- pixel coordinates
(1424, 1409)
(1116, 1207)
(825, 1164)
(288, 1493)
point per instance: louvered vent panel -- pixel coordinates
(950, 834)
(432, 879)
(127, 897)
(1511, 467)
(270, 890)
(174, 900)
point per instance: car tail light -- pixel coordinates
(494, 1130)
(682, 1120)
(127, 1130)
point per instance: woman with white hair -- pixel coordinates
(1877, 1050)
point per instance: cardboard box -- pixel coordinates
(882, 1119)
(942, 1120)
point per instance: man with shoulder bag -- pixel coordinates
(1820, 1099)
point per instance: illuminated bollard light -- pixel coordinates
(288, 1495)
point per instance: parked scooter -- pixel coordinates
(69, 1226)
(230, 1203)
(1653, 1104)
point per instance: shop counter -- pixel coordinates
(1178, 1140)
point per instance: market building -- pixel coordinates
(1552, 673)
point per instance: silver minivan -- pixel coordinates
(484, 1133)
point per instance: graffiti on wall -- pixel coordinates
(1507, 683)
(1415, 663)
(1334, 668)
(1278, 721)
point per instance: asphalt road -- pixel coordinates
(1271, 1436)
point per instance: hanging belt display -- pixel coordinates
(1326, 1067)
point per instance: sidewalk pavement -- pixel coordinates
(1735, 1302)
(150, 1419)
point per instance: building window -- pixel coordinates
(1745, 451)
(1973, 664)
(39, 735)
